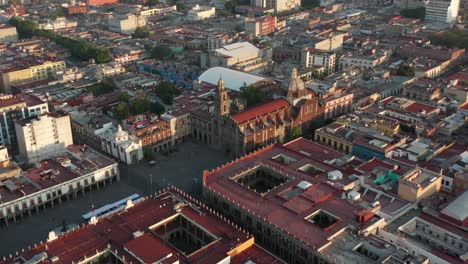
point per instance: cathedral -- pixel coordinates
(243, 131)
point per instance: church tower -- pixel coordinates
(222, 103)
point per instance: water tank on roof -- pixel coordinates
(335, 175)
(304, 185)
(354, 195)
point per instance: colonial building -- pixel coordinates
(244, 131)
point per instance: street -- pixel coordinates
(183, 168)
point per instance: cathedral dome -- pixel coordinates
(296, 86)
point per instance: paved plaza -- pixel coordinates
(182, 168)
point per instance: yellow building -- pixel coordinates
(336, 136)
(30, 74)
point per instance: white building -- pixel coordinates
(241, 56)
(442, 11)
(121, 145)
(318, 58)
(201, 12)
(59, 23)
(126, 24)
(106, 70)
(278, 5)
(55, 179)
(369, 60)
(43, 136)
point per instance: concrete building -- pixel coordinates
(43, 136)
(60, 177)
(167, 227)
(366, 59)
(239, 132)
(241, 56)
(126, 24)
(14, 108)
(260, 26)
(419, 184)
(150, 130)
(278, 5)
(102, 71)
(287, 196)
(8, 34)
(28, 73)
(442, 11)
(199, 12)
(311, 58)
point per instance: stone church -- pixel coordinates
(244, 131)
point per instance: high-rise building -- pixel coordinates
(311, 57)
(443, 11)
(14, 108)
(43, 136)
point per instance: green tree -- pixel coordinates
(166, 91)
(122, 111)
(124, 97)
(140, 106)
(152, 2)
(405, 70)
(253, 95)
(295, 133)
(230, 5)
(161, 52)
(310, 3)
(140, 32)
(418, 13)
(60, 11)
(157, 108)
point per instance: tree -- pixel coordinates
(239, 28)
(140, 32)
(140, 106)
(405, 70)
(166, 91)
(230, 5)
(123, 97)
(253, 95)
(157, 108)
(152, 2)
(451, 38)
(60, 11)
(418, 13)
(148, 153)
(161, 52)
(295, 133)
(122, 111)
(310, 3)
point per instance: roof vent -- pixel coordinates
(304, 185)
(335, 175)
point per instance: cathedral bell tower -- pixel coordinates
(222, 103)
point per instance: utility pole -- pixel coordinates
(151, 183)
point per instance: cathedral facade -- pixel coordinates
(271, 122)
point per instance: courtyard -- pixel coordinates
(182, 168)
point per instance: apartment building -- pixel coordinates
(14, 108)
(311, 58)
(25, 73)
(126, 24)
(442, 11)
(199, 12)
(278, 5)
(260, 26)
(43, 136)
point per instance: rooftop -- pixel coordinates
(311, 212)
(233, 79)
(75, 162)
(143, 233)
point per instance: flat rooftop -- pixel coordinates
(311, 214)
(143, 233)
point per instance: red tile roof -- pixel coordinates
(260, 110)
(147, 248)
(116, 234)
(418, 107)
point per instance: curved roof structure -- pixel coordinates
(233, 79)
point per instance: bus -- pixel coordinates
(112, 208)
